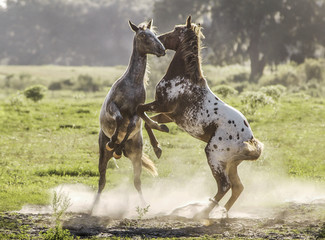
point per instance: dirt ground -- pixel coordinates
(289, 221)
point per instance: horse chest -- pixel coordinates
(178, 89)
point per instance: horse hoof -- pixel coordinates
(117, 156)
(157, 152)
(108, 148)
(164, 128)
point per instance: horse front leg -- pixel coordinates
(114, 111)
(160, 118)
(118, 151)
(151, 107)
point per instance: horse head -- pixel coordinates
(146, 42)
(173, 39)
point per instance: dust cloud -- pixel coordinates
(263, 192)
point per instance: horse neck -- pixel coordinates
(185, 64)
(137, 66)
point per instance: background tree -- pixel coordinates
(266, 32)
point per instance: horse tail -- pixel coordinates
(253, 149)
(149, 165)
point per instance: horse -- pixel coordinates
(120, 126)
(184, 97)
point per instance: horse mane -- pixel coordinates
(190, 48)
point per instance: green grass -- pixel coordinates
(54, 141)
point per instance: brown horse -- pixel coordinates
(120, 126)
(183, 97)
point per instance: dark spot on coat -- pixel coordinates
(228, 149)
(207, 111)
(215, 103)
(215, 109)
(209, 101)
(229, 122)
(220, 138)
(237, 135)
(208, 115)
(245, 122)
(242, 129)
(217, 98)
(215, 146)
(230, 137)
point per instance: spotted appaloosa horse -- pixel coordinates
(183, 97)
(120, 126)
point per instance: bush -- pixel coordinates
(65, 84)
(224, 90)
(239, 77)
(35, 93)
(57, 233)
(313, 70)
(254, 100)
(273, 91)
(286, 76)
(18, 82)
(86, 83)
(54, 86)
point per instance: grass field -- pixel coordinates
(54, 141)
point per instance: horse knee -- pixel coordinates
(238, 188)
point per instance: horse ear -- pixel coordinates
(188, 21)
(149, 24)
(133, 27)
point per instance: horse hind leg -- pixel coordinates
(104, 157)
(236, 185)
(218, 163)
(133, 151)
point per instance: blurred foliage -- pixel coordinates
(86, 32)
(224, 90)
(265, 32)
(35, 93)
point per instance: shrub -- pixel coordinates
(57, 233)
(35, 93)
(313, 69)
(239, 77)
(254, 100)
(65, 84)
(224, 90)
(54, 86)
(16, 101)
(86, 83)
(273, 91)
(286, 76)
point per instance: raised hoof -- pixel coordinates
(164, 128)
(158, 152)
(108, 148)
(117, 156)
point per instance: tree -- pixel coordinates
(264, 31)
(168, 13)
(79, 32)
